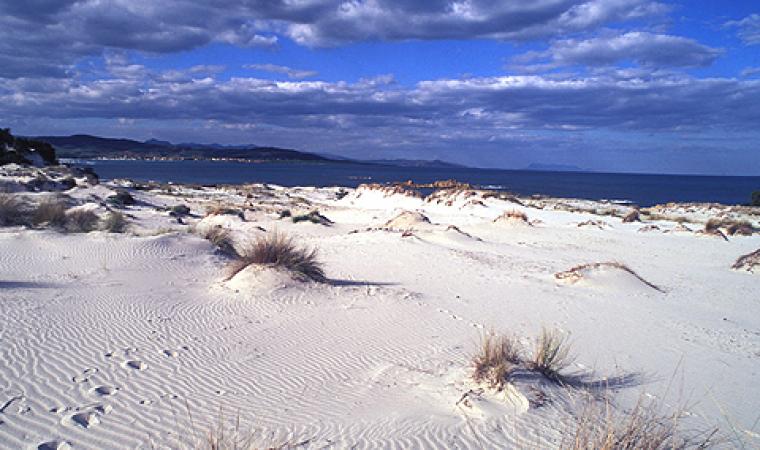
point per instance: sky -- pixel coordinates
(605, 85)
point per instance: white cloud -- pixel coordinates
(283, 70)
(749, 29)
(646, 49)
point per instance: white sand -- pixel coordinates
(107, 340)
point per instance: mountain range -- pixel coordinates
(82, 146)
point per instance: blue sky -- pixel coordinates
(613, 85)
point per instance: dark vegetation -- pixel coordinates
(20, 150)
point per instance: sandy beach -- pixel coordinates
(141, 340)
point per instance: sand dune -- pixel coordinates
(109, 339)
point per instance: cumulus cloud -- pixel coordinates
(616, 100)
(645, 49)
(749, 29)
(464, 19)
(283, 70)
(48, 37)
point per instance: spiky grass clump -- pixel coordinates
(115, 222)
(278, 250)
(12, 210)
(600, 427)
(496, 359)
(81, 221)
(551, 355)
(51, 213)
(221, 238)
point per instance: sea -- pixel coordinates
(640, 189)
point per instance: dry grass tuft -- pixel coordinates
(740, 228)
(221, 239)
(514, 214)
(51, 213)
(215, 210)
(748, 262)
(81, 221)
(12, 210)
(278, 250)
(230, 435)
(115, 222)
(496, 359)
(551, 355)
(643, 427)
(632, 216)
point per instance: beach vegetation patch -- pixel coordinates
(279, 251)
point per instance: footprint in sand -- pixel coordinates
(105, 391)
(103, 409)
(85, 375)
(54, 445)
(85, 419)
(135, 364)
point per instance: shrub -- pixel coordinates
(313, 217)
(285, 213)
(179, 211)
(495, 360)
(12, 210)
(551, 355)
(51, 213)
(632, 216)
(115, 222)
(221, 239)
(81, 221)
(741, 228)
(277, 250)
(755, 201)
(121, 198)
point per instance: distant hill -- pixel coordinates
(86, 146)
(554, 168)
(435, 163)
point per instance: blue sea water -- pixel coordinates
(645, 190)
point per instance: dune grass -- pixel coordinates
(513, 214)
(12, 210)
(632, 216)
(51, 213)
(115, 222)
(81, 221)
(551, 354)
(497, 357)
(221, 238)
(645, 426)
(278, 250)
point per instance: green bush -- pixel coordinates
(755, 198)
